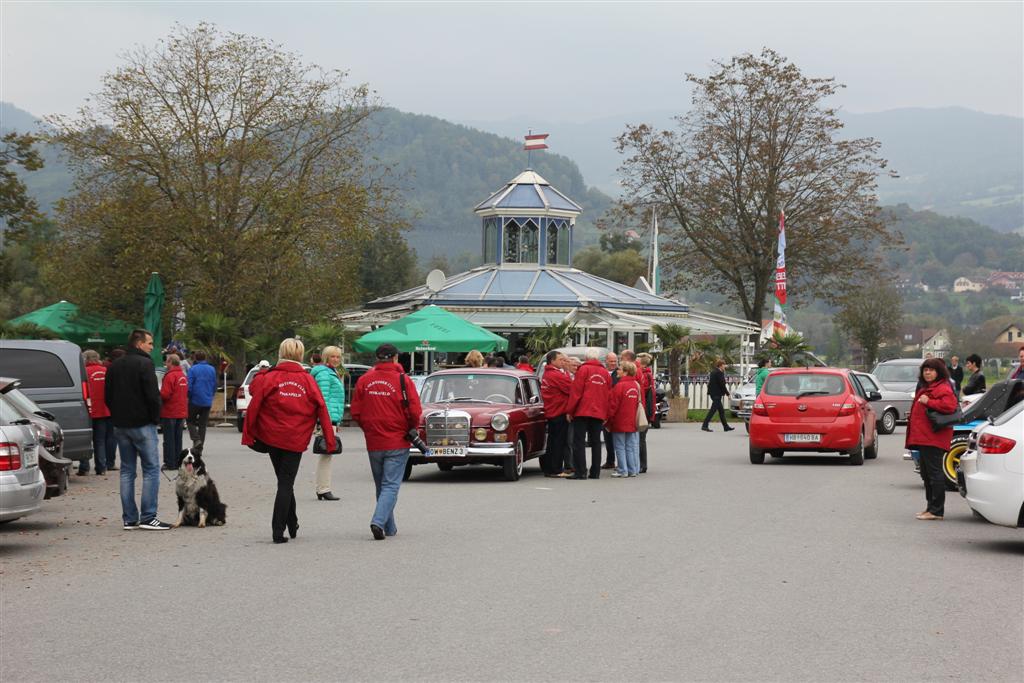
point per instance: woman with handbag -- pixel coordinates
(934, 398)
(328, 378)
(624, 411)
(286, 404)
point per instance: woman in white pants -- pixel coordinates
(328, 378)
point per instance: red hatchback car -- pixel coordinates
(817, 410)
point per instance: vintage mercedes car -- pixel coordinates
(474, 416)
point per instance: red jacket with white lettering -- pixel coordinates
(285, 406)
(96, 376)
(377, 407)
(590, 391)
(174, 394)
(919, 427)
(554, 389)
(622, 405)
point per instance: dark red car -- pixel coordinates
(472, 416)
(817, 410)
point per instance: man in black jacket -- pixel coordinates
(976, 382)
(717, 390)
(134, 402)
(956, 373)
(611, 363)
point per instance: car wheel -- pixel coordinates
(445, 466)
(756, 456)
(857, 454)
(408, 471)
(776, 453)
(951, 461)
(871, 452)
(512, 468)
(240, 422)
(887, 425)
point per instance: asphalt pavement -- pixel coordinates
(705, 568)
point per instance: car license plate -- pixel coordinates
(803, 438)
(28, 457)
(449, 451)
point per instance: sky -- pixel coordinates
(570, 61)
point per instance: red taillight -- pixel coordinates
(240, 393)
(996, 445)
(759, 409)
(848, 409)
(10, 457)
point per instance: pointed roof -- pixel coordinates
(529, 194)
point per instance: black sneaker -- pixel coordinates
(131, 526)
(378, 533)
(155, 524)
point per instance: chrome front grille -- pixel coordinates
(448, 428)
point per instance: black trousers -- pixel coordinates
(286, 466)
(558, 441)
(198, 416)
(567, 464)
(609, 448)
(934, 478)
(716, 407)
(643, 451)
(582, 428)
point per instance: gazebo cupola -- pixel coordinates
(528, 221)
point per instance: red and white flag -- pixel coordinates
(780, 262)
(536, 141)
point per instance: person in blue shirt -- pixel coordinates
(202, 384)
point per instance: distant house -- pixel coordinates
(1011, 334)
(962, 284)
(1005, 280)
(935, 342)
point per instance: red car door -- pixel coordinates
(536, 425)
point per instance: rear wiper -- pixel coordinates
(819, 392)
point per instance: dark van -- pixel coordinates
(52, 374)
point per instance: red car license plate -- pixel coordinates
(802, 438)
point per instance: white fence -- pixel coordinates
(695, 387)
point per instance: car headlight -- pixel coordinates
(480, 434)
(499, 422)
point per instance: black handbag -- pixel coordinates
(259, 446)
(320, 445)
(941, 421)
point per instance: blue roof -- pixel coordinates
(528, 191)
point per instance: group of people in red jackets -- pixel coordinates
(583, 402)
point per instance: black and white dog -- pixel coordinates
(198, 501)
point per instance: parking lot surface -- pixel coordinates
(705, 568)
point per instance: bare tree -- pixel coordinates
(758, 140)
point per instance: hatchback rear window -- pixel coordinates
(897, 372)
(807, 384)
(35, 369)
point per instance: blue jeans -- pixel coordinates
(388, 468)
(627, 452)
(139, 443)
(104, 446)
(173, 428)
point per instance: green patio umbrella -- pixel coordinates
(432, 329)
(153, 316)
(67, 321)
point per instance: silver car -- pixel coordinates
(894, 406)
(22, 486)
(899, 374)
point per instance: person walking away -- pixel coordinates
(717, 390)
(622, 423)
(524, 364)
(386, 405)
(764, 368)
(474, 359)
(645, 377)
(611, 364)
(286, 405)
(554, 390)
(104, 444)
(328, 378)
(588, 409)
(133, 398)
(173, 410)
(202, 385)
(1019, 372)
(934, 394)
(956, 374)
(976, 382)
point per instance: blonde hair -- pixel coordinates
(331, 351)
(628, 367)
(475, 359)
(291, 349)
(644, 358)
(90, 356)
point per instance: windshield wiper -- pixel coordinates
(470, 398)
(818, 392)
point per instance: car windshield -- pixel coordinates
(803, 384)
(897, 372)
(469, 387)
(23, 403)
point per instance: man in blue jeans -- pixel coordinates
(134, 401)
(386, 406)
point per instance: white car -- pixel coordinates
(242, 396)
(992, 469)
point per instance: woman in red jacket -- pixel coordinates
(935, 394)
(285, 406)
(173, 410)
(621, 422)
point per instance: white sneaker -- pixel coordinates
(616, 473)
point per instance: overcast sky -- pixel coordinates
(563, 62)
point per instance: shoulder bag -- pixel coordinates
(641, 418)
(941, 421)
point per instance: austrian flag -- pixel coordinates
(536, 142)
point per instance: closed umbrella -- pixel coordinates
(153, 318)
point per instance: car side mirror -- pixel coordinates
(534, 399)
(874, 396)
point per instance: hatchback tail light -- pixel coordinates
(10, 457)
(848, 409)
(990, 443)
(759, 409)
(240, 393)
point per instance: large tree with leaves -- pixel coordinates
(871, 315)
(759, 139)
(230, 166)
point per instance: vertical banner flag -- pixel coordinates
(780, 262)
(655, 273)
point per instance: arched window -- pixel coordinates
(552, 246)
(529, 238)
(490, 240)
(564, 240)
(511, 241)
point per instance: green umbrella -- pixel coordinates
(153, 318)
(432, 329)
(68, 322)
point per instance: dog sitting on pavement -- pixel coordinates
(198, 501)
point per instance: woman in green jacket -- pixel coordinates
(764, 368)
(328, 377)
